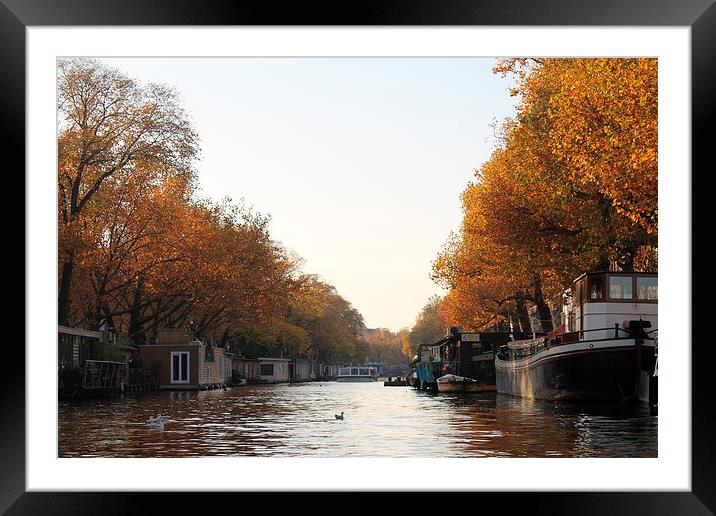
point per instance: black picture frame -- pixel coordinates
(699, 15)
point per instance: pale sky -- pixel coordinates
(360, 162)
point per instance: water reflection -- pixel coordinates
(298, 420)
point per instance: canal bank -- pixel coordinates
(94, 364)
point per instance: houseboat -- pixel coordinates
(274, 370)
(183, 362)
(465, 354)
(357, 374)
(300, 370)
(604, 350)
(89, 363)
(246, 370)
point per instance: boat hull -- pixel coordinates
(606, 370)
(401, 383)
(355, 379)
(452, 383)
(458, 387)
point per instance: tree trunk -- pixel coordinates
(602, 264)
(605, 257)
(522, 315)
(101, 313)
(108, 317)
(512, 321)
(135, 315)
(627, 262)
(545, 314)
(63, 303)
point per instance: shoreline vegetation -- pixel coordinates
(571, 186)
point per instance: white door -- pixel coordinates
(179, 367)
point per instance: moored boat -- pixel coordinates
(605, 350)
(395, 382)
(465, 354)
(413, 379)
(357, 374)
(455, 383)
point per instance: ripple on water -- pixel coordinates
(282, 420)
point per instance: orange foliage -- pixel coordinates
(138, 251)
(571, 187)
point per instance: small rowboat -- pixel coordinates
(455, 383)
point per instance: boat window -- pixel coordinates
(620, 287)
(647, 288)
(595, 287)
(354, 371)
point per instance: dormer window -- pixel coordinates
(620, 287)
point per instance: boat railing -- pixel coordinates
(574, 336)
(538, 345)
(103, 374)
(505, 352)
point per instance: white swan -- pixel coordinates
(157, 421)
(339, 417)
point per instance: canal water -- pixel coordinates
(298, 420)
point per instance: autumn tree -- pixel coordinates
(429, 326)
(386, 346)
(110, 129)
(139, 250)
(570, 187)
(334, 326)
(592, 124)
(128, 234)
(316, 323)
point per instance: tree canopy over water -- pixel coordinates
(571, 186)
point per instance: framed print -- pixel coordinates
(413, 248)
